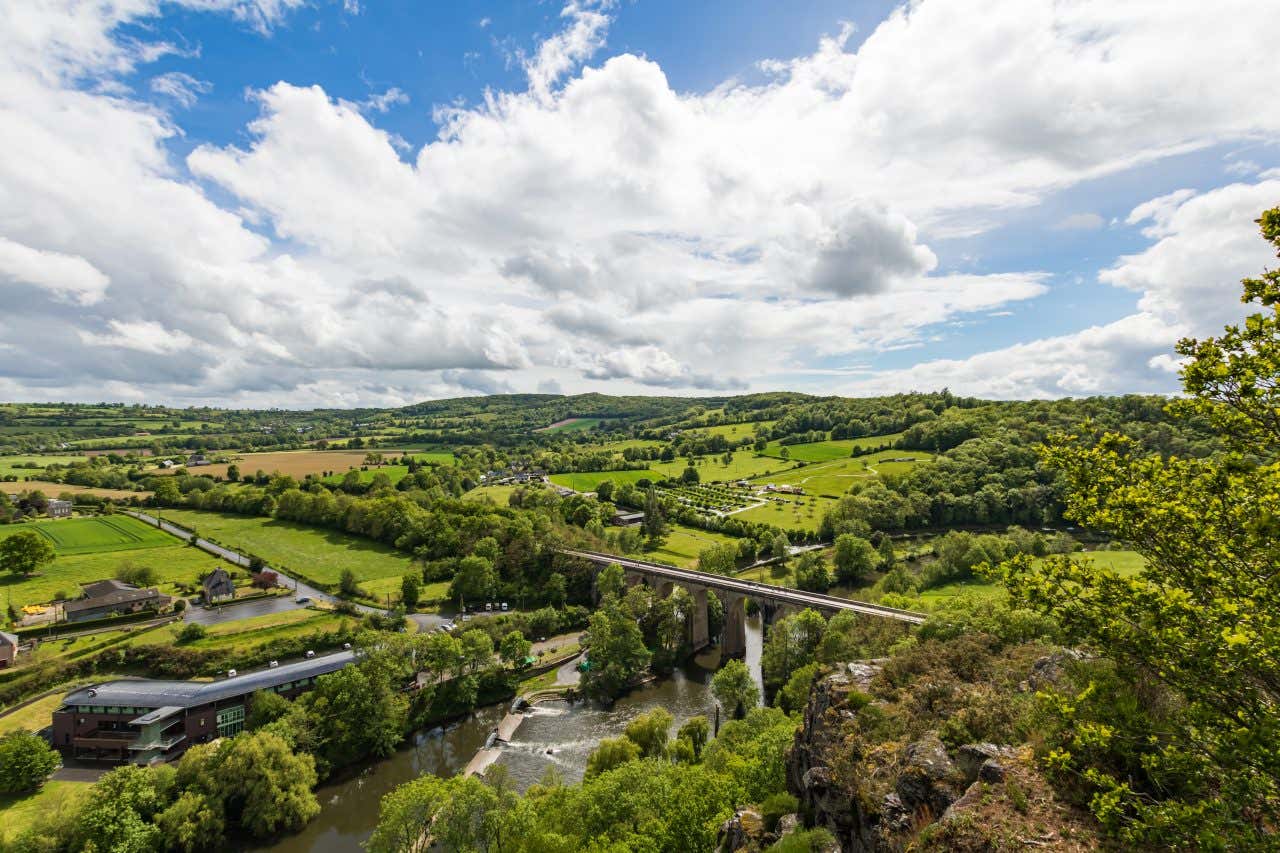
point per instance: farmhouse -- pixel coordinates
(58, 509)
(196, 459)
(218, 585)
(144, 721)
(8, 649)
(110, 598)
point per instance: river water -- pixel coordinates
(554, 734)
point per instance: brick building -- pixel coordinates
(144, 721)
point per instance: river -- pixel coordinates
(553, 734)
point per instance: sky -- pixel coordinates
(340, 203)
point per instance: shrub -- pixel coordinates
(25, 762)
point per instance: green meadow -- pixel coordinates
(683, 545)
(312, 553)
(174, 563)
(585, 481)
(574, 425)
(746, 465)
(94, 535)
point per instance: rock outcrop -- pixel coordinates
(875, 793)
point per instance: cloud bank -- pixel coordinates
(599, 230)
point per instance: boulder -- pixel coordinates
(743, 831)
(930, 780)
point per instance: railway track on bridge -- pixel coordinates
(754, 589)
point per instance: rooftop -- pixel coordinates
(146, 693)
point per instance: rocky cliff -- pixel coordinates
(869, 765)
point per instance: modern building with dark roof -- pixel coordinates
(110, 598)
(144, 721)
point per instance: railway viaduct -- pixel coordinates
(734, 592)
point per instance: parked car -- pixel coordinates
(273, 664)
(310, 653)
(302, 599)
(504, 605)
(488, 607)
(467, 617)
(231, 673)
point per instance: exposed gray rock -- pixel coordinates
(929, 780)
(743, 831)
(971, 757)
(786, 824)
(1049, 669)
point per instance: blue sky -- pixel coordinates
(285, 202)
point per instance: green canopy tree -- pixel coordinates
(25, 762)
(1202, 619)
(735, 689)
(617, 653)
(25, 552)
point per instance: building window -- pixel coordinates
(231, 721)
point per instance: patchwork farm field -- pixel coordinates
(94, 535)
(500, 495)
(315, 554)
(294, 463)
(27, 466)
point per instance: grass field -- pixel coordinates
(821, 451)
(52, 489)
(804, 512)
(586, 481)
(21, 466)
(683, 544)
(498, 494)
(33, 717)
(175, 563)
(94, 535)
(263, 630)
(17, 813)
(313, 553)
(572, 425)
(745, 465)
(735, 431)
(1123, 563)
(835, 476)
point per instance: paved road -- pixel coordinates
(229, 612)
(301, 589)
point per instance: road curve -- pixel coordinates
(781, 594)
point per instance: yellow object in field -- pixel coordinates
(33, 609)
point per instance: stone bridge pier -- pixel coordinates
(733, 642)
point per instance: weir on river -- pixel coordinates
(554, 733)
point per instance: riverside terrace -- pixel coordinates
(143, 721)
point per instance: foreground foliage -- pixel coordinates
(1176, 742)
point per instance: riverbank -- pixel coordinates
(555, 733)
